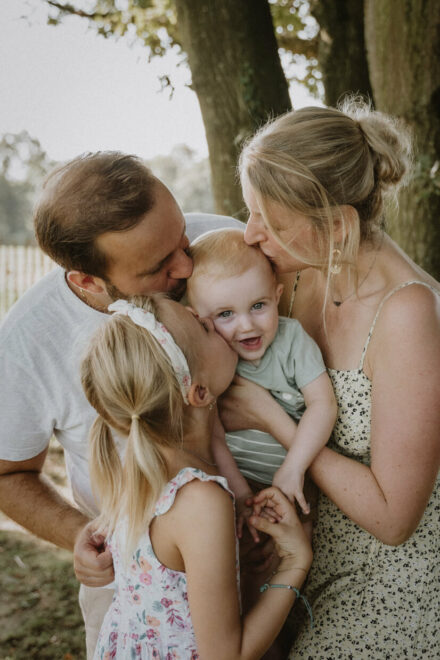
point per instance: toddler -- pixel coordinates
(234, 285)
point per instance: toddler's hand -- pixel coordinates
(243, 507)
(291, 482)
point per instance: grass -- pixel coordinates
(39, 611)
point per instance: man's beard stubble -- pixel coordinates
(115, 293)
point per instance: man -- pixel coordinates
(116, 231)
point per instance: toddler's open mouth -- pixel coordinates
(252, 343)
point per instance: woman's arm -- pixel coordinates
(207, 547)
(388, 498)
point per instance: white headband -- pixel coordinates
(148, 321)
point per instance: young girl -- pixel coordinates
(153, 374)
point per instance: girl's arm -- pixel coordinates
(207, 547)
(312, 434)
(389, 497)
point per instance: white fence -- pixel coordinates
(20, 267)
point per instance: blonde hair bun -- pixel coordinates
(388, 138)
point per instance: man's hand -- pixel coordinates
(92, 560)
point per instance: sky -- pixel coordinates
(76, 91)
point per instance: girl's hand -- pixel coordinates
(282, 523)
(291, 483)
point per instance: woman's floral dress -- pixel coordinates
(370, 601)
(149, 616)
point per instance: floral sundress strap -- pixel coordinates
(379, 309)
(183, 477)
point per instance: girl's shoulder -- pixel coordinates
(197, 483)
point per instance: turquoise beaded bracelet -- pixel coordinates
(298, 594)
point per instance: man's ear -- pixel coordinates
(89, 283)
(199, 396)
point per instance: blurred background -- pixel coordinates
(182, 83)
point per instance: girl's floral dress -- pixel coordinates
(149, 616)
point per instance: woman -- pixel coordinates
(315, 182)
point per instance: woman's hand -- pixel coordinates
(246, 405)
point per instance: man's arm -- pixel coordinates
(29, 497)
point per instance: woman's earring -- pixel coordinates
(336, 264)
(212, 405)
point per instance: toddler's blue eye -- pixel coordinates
(225, 315)
(258, 305)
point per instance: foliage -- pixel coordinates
(23, 165)
(39, 611)
(188, 179)
(154, 23)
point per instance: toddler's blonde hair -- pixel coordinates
(223, 253)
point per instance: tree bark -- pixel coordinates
(403, 44)
(238, 79)
(341, 52)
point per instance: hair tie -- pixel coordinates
(148, 321)
(134, 416)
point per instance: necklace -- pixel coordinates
(193, 453)
(337, 302)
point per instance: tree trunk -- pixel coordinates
(238, 79)
(341, 53)
(403, 41)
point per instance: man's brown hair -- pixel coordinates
(90, 195)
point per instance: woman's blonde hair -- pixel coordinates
(129, 380)
(314, 161)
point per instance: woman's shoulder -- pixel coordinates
(407, 324)
(411, 303)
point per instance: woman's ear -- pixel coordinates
(343, 222)
(199, 396)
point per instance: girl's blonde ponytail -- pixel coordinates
(128, 378)
(105, 466)
(145, 471)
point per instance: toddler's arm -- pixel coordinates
(312, 434)
(237, 483)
